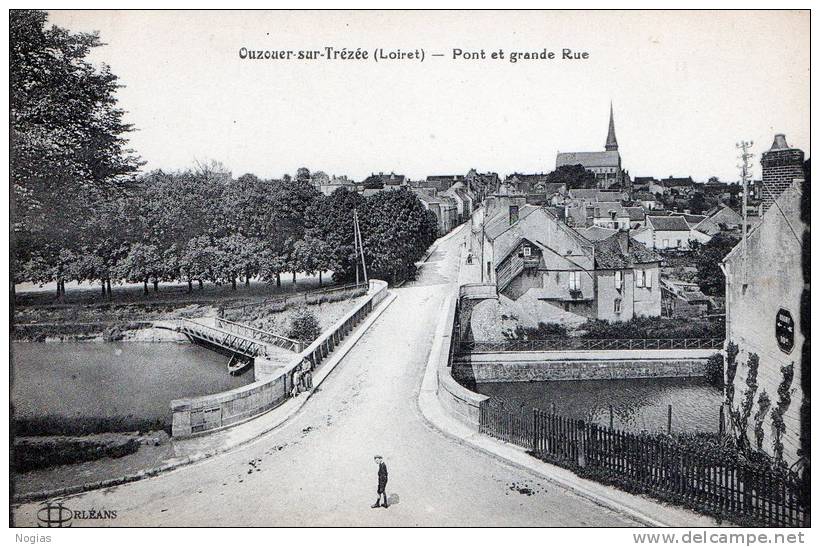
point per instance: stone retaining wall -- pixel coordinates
(199, 415)
(546, 366)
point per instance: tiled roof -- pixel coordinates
(668, 223)
(621, 251)
(588, 159)
(636, 213)
(500, 223)
(597, 233)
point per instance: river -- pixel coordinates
(637, 404)
(87, 379)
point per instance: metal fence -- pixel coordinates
(586, 344)
(653, 464)
(259, 334)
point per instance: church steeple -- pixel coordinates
(611, 141)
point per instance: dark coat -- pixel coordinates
(382, 475)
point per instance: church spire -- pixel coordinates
(611, 141)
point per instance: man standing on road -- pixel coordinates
(382, 488)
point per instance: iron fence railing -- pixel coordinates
(768, 497)
(586, 344)
(259, 334)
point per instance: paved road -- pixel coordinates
(318, 469)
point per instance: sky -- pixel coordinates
(685, 88)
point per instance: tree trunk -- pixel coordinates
(156, 285)
(190, 286)
(200, 284)
(278, 280)
(294, 277)
(233, 283)
(320, 278)
(145, 286)
(103, 287)
(59, 289)
(108, 287)
(247, 278)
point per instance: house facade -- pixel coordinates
(764, 289)
(664, 233)
(534, 255)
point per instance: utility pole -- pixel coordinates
(358, 235)
(745, 168)
(355, 248)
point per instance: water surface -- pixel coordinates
(637, 404)
(109, 379)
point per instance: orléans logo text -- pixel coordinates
(57, 515)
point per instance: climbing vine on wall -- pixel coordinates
(731, 371)
(763, 406)
(740, 415)
(784, 400)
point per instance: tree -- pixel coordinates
(304, 326)
(574, 176)
(303, 175)
(329, 219)
(396, 232)
(67, 136)
(707, 261)
(142, 263)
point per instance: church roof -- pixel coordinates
(611, 141)
(589, 159)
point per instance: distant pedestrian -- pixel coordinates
(307, 380)
(382, 486)
(295, 380)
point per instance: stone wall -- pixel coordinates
(197, 415)
(533, 366)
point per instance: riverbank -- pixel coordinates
(152, 448)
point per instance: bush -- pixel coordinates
(714, 370)
(544, 331)
(29, 456)
(654, 327)
(304, 326)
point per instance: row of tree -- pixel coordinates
(81, 212)
(202, 225)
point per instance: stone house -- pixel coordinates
(532, 254)
(764, 289)
(444, 207)
(664, 232)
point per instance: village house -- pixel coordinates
(764, 287)
(647, 200)
(721, 219)
(765, 302)
(444, 207)
(617, 216)
(481, 185)
(683, 299)
(664, 233)
(530, 253)
(335, 183)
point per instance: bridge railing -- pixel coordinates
(259, 334)
(223, 338)
(586, 344)
(192, 416)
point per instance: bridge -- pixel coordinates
(243, 343)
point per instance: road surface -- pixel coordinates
(318, 468)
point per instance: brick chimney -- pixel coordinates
(781, 166)
(513, 214)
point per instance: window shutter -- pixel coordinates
(648, 279)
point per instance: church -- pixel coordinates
(606, 165)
